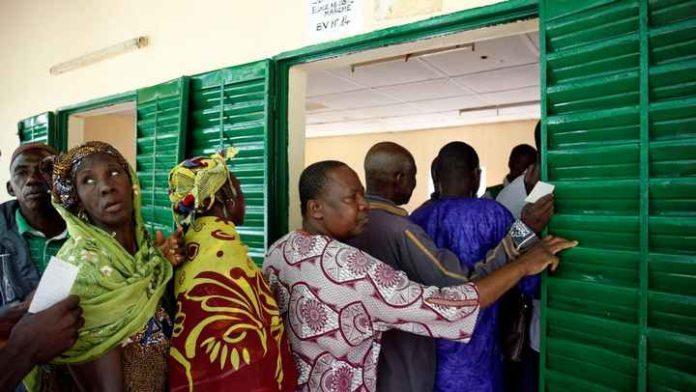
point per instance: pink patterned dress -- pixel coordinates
(336, 302)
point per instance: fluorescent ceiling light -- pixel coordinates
(99, 55)
(497, 108)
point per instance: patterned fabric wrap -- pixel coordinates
(228, 330)
(194, 182)
(119, 292)
(337, 301)
(469, 228)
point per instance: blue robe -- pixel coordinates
(469, 228)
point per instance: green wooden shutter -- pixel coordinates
(619, 141)
(231, 107)
(161, 135)
(39, 128)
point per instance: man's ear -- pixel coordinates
(10, 191)
(477, 182)
(400, 177)
(315, 209)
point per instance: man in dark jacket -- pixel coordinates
(408, 362)
(31, 230)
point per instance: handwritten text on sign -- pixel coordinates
(333, 18)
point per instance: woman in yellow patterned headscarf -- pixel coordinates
(228, 334)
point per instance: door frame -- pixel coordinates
(456, 22)
(64, 113)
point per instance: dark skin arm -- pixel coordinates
(533, 262)
(104, 374)
(38, 338)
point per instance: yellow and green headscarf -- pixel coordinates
(194, 182)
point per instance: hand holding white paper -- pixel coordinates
(540, 190)
(55, 285)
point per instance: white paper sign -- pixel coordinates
(55, 285)
(540, 190)
(329, 19)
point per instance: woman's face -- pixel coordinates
(105, 191)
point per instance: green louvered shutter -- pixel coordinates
(619, 126)
(39, 128)
(162, 112)
(231, 107)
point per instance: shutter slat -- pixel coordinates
(230, 107)
(620, 122)
(162, 112)
(39, 128)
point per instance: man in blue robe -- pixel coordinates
(469, 227)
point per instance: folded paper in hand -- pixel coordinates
(540, 190)
(55, 285)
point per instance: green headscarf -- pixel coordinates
(119, 292)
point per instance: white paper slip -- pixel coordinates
(55, 285)
(540, 190)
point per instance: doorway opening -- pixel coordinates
(478, 86)
(114, 124)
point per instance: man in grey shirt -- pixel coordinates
(408, 362)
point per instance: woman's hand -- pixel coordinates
(172, 247)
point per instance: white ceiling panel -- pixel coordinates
(447, 104)
(388, 110)
(421, 121)
(427, 91)
(534, 38)
(334, 116)
(374, 112)
(501, 79)
(388, 73)
(354, 99)
(323, 82)
(419, 91)
(513, 96)
(488, 55)
(315, 106)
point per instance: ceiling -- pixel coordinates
(494, 80)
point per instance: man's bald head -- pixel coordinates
(390, 172)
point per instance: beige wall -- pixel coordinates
(185, 38)
(492, 142)
(115, 129)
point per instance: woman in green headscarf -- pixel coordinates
(124, 342)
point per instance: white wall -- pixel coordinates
(185, 38)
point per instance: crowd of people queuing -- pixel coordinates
(362, 297)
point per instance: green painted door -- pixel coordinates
(619, 127)
(231, 107)
(162, 112)
(39, 128)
